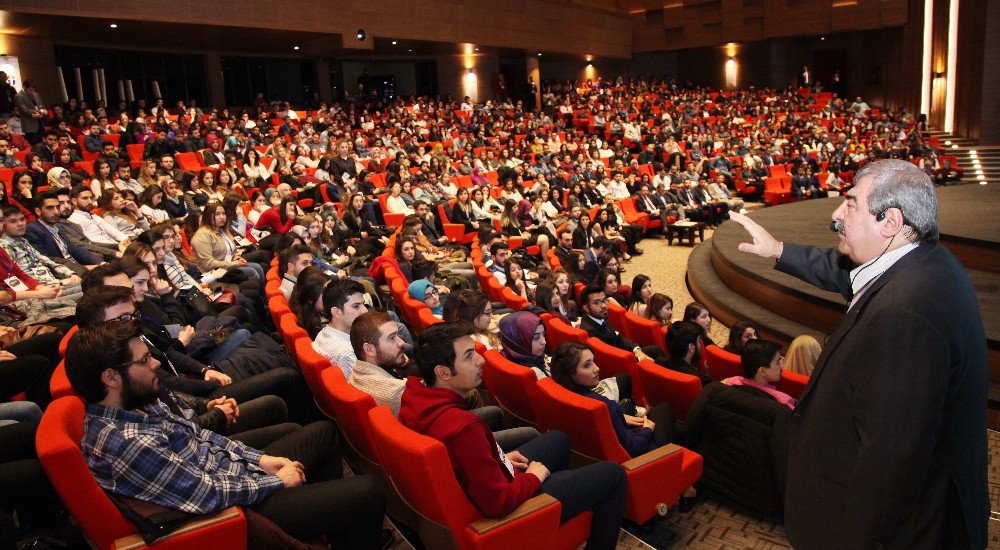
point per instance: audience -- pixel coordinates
(762, 362)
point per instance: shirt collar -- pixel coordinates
(864, 274)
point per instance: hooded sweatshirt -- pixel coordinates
(480, 465)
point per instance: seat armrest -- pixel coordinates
(135, 541)
(650, 457)
(528, 507)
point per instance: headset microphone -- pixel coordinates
(837, 226)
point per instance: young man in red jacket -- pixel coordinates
(495, 481)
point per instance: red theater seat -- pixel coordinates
(655, 479)
(58, 444)
(449, 519)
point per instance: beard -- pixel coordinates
(135, 397)
(391, 361)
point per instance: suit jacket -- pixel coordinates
(43, 241)
(641, 206)
(888, 441)
(605, 333)
(591, 264)
(564, 256)
(29, 103)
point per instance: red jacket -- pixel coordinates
(441, 414)
(270, 220)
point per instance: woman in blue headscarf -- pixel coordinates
(425, 291)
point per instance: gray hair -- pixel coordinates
(900, 184)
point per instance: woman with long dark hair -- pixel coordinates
(279, 219)
(368, 239)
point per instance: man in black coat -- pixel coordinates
(888, 441)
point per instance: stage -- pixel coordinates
(738, 286)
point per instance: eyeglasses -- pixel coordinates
(126, 317)
(431, 292)
(142, 361)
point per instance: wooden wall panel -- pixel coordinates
(529, 24)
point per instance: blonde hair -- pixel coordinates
(802, 355)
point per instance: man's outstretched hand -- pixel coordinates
(763, 243)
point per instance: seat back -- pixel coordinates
(616, 316)
(611, 360)
(512, 386)
(64, 343)
(59, 385)
(426, 318)
(586, 421)
(557, 332)
(278, 310)
(412, 460)
(721, 363)
(312, 365)
(662, 385)
(350, 407)
(644, 331)
(290, 332)
(512, 299)
(58, 445)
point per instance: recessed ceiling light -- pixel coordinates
(539, 54)
(822, 38)
(113, 25)
(393, 42)
(295, 47)
(409, 50)
(477, 49)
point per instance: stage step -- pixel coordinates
(728, 306)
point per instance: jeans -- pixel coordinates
(19, 411)
(223, 350)
(348, 511)
(600, 487)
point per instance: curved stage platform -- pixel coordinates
(738, 286)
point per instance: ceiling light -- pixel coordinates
(409, 50)
(981, 178)
(954, 146)
(295, 47)
(113, 25)
(362, 35)
(947, 143)
(477, 49)
(972, 152)
(539, 54)
(822, 38)
(393, 42)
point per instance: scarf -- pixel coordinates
(517, 330)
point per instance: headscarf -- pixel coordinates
(517, 330)
(418, 291)
(53, 176)
(57, 155)
(268, 193)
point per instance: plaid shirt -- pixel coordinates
(158, 457)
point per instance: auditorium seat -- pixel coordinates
(662, 385)
(655, 479)
(721, 363)
(58, 445)
(613, 361)
(557, 332)
(448, 518)
(512, 386)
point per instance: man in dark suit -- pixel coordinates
(682, 343)
(51, 240)
(888, 440)
(564, 248)
(644, 203)
(594, 320)
(592, 257)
